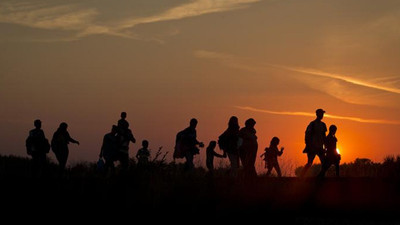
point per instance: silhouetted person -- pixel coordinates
(37, 146)
(271, 157)
(332, 156)
(315, 140)
(123, 123)
(186, 144)
(210, 154)
(124, 137)
(248, 147)
(228, 142)
(59, 144)
(143, 154)
(109, 149)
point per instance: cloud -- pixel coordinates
(355, 119)
(376, 91)
(192, 9)
(342, 77)
(231, 60)
(89, 20)
(62, 17)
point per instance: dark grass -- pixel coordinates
(167, 192)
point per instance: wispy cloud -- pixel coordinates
(286, 113)
(88, 20)
(64, 17)
(192, 9)
(342, 77)
(375, 91)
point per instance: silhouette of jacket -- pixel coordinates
(36, 143)
(188, 137)
(110, 146)
(315, 136)
(248, 139)
(248, 149)
(272, 153)
(228, 141)
(271, 156)
(60, 140)
(331, 153)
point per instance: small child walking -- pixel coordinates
(210, 154)
(143, 154)
(271, 156)
(332, 156)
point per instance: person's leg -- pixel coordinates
(278, 169)
(242, 157)
(124, 161)
(310, 159)
(324, 167)
(209, 165)
(250, 161)
(337, 168)
(234, 161)
(189, 160)
(108, 165)
(62, 157)
(269, 170)
(321, 156)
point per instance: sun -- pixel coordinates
(337, 150)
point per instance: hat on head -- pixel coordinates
(320, 111)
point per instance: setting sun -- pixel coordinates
(337, 150)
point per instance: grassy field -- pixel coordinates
(168, 191)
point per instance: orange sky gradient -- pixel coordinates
(164, 62)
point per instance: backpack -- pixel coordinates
(223, 141)
(179, 151)
(308, 137)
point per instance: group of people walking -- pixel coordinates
(239, 145)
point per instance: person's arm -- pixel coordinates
(281, 151)
(70, 139)
(218, 155)
(133, 140)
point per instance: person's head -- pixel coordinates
(193, 123)
(250, 123)
(320, 113)
(233, 122)
(37, 124)
(123, 115)
(332, 129)
(114, 129)
(274, 141)
(212, 144)
(63, 126)
(145, 144)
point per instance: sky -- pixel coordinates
(165, 62)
